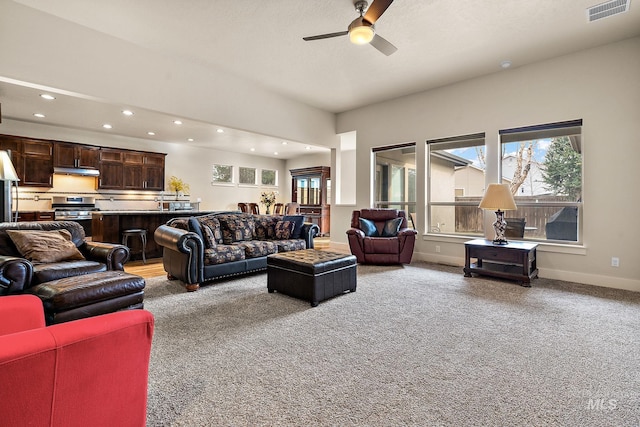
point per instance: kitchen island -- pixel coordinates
(107, 226)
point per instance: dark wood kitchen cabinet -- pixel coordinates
(37, 160)
(32, 159)
(111, 169)
(131, 170)
(143, 171)
(68, 155)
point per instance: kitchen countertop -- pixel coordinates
(149, 212)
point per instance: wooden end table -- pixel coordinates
(515, 260)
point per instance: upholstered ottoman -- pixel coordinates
(311, 275)
(88, 295)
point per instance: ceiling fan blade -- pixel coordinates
(376, 9)
(326, 36)
(383, 45)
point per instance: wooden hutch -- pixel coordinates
(310, 187)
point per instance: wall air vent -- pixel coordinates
(607, 9)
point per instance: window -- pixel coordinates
(542, 164)
(455, 183)
(247, 176)
(395, 178)
(222, 174)
(269, 177)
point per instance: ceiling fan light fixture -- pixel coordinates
(361, 35)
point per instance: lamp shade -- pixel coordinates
(361, 31)
(7, 171)
(498, 197)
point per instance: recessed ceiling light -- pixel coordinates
(505, 64)
(127, 112)
(307, 148)
(190, 139)
(220, 130)
(151, 133)
(107, 126)
(275, 153)
(39, 115)
(177, 122)
(47, 96)
(284, 142)
(252, 149)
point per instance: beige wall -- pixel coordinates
(600, 86)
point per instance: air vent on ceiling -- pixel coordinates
(607, 9)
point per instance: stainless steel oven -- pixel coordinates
(74, 208)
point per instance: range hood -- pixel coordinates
(76, 171)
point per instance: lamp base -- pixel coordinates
(500, 226)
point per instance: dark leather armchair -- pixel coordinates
(381, 236)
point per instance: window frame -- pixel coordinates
(571, 129)
(215, 181)
(462, 141)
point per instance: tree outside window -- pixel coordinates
(222, 174)
(247, 175)
(269, 177)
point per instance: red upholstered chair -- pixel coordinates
(381, 236)
(87, 372)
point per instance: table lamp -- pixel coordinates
(498, 197)
(7, 176)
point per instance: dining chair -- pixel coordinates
(243, 207)
(254, 208)
(278, 209)
(292, 208)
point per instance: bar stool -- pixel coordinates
(136, 232)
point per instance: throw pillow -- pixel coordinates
(284, 230)
(368, 227)
(298, 220)
(45, 246)
(391, 227)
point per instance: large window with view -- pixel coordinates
(395, 178)
(455, 182)
(542, 165)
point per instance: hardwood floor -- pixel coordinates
(154, 268)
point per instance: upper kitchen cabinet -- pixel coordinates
(131, 170)
(143, 171)
(37, 158)
(111, 169)
(77, 156)
(32, 159)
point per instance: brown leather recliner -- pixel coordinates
(381, 236)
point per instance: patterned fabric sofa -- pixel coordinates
(203, 248)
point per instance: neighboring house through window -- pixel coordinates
(455, 184)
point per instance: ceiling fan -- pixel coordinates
(362, 30)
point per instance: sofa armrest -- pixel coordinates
(183, 253)
(407, 232)
(15, 275)
(20, 313)
(309, 231)
(112, 254)
(53, 366)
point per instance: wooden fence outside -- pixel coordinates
(470, 218)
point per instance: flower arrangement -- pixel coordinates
(177, 185)
(268, 198)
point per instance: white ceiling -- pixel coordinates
(439, 42)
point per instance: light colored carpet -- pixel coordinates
(418, 345)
